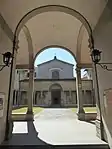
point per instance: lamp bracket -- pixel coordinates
(2, 67)
(104, 66)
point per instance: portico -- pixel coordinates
(69, 24)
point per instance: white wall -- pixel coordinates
(103, 42)
(5, 45)
(45, 70)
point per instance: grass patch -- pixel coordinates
(87, 109)
(24, 110)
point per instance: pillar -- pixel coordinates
(34, 100)
(48, 98)
(63, 99)
(99, 121)
(9, 123)
(80, 110)
(84, 98)
(37, 94)
(70, 93)
(30, 92)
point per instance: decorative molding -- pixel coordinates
(55, 80)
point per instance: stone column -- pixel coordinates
(63, 99)
(37, 97)
(70, 93)
(48, 98)
(41, 93)
(84, 98)
(14, 98)
(80, 111)
(30, 92)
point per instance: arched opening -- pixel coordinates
(47, 8)
(55, 90)
(55, 68)
(53, 8)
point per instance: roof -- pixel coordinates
(55, 58)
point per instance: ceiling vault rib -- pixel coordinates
(79, 43)
(30, 46)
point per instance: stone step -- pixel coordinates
(91, 146)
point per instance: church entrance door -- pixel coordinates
(56, 97)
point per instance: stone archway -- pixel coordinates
(34, 12)
(55, 46)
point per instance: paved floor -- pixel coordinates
(55, 126)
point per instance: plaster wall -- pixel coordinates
(5, 45)
(66, 85)
(103, 42)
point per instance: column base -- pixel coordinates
(81, 115)
(29, 116)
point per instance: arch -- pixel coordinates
(30, 46)
(36, 11)
(51, 8)
(79, 43)
(55, 46)
(55, 84)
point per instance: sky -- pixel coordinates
(61, 54)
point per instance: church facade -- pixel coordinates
(54, 85)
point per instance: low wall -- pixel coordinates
(90, 116)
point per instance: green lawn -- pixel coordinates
(38, 109)
(86, 109)
(24, 110)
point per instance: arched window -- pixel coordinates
(55, 74)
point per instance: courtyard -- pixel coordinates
(53, 126)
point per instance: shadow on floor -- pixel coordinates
(30, 138)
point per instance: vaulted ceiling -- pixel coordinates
(53, 27)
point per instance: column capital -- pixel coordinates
(31, 70)
(91, 42)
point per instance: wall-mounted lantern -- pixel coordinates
(7, 58)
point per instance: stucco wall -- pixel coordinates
(44, 71)
(103, 41)
(66, 85)
(5, 45)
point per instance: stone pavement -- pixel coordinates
(55, 126)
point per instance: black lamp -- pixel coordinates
(7, 58)
(96, 56)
